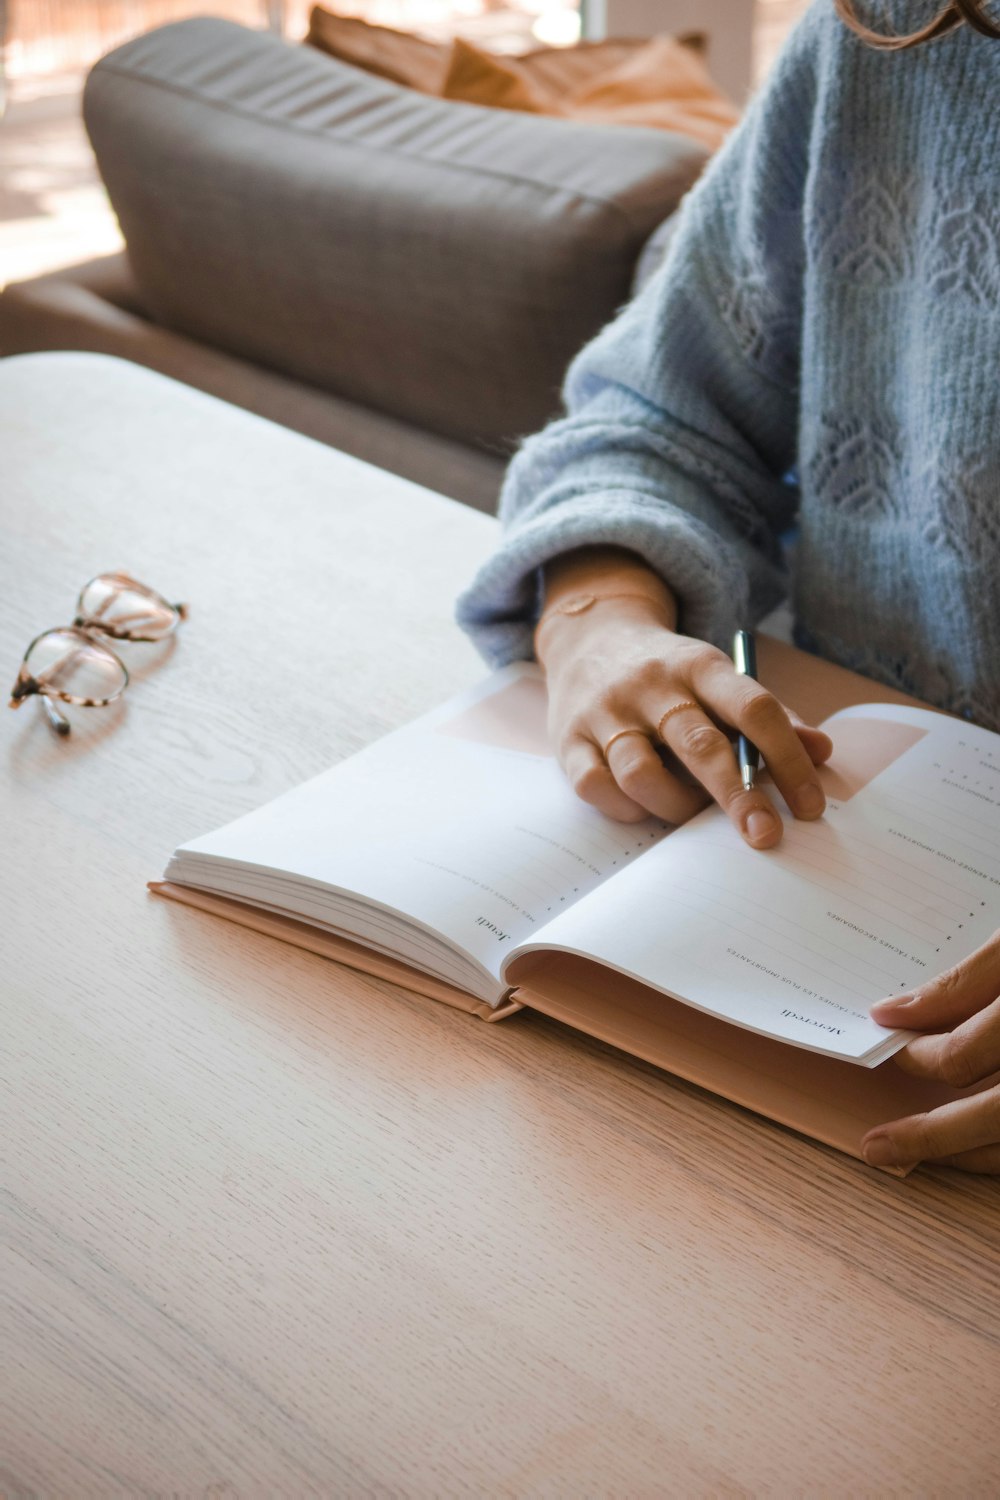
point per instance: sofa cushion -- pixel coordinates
(435, 261)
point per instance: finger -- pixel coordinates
(961, 1057)
(708, 755)
(750, 708)
(815, 742)
(641, 775)
(963, 1125)
(952, 997)
(590, 778)
(986, 1160)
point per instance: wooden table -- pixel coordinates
(271, 1228)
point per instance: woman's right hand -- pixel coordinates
(617, 664)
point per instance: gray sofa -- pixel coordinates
(402, 277)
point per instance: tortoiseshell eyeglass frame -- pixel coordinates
(93, 631)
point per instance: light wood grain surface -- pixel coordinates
(271, 1229)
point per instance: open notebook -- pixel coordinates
(452, 856)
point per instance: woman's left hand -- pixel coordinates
(961, 1011)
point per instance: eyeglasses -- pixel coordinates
(75, 665)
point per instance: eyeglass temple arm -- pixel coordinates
(55, 716)
(57, 719)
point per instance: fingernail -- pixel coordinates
(880, 1151)
(895, 1004)
(809, 801)
(761, 825)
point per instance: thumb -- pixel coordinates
(949, 999)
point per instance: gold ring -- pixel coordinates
(618, 734)
(675, 709)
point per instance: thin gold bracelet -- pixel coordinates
(578, 604)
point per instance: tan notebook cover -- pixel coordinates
(834, 1102)
(341, 950)
(831, 1101)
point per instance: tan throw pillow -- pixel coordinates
(664, 85)
(565, 70)
(660, 83)
(396, 55)
(479, 77)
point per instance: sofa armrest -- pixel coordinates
(94, 308)
(436, 261)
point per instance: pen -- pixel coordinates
(745, 661)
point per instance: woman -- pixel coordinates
(820, 347)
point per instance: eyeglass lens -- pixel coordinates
(126, 609)
(68, 663)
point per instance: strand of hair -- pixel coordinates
(947, 19)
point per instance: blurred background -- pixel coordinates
(53, 211)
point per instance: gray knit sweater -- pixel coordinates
(821, 349)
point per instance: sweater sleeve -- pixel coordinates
(682, 415)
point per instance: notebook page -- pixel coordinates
(899, 880)
(461, 821)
